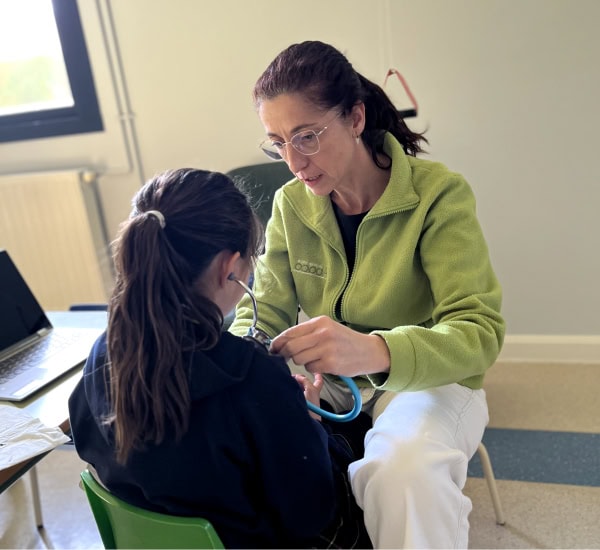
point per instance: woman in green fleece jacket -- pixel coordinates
(384, 254)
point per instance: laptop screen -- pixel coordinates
(20, 313)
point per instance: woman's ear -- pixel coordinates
(357, 115)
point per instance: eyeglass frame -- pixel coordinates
(282, 147)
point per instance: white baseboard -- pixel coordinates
(550, 349)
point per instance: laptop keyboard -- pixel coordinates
(32, 355)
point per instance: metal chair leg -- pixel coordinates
(37, 507)
(488, 473)
(35, 493)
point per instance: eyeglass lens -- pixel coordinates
(306, 143)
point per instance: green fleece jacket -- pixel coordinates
(422, 278)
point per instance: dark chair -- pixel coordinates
(261, 181)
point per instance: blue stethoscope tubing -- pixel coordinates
(346, 417)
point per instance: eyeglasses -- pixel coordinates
(305, 142)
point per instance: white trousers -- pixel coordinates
(409, 483)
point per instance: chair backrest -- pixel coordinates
(122, 525)
(261, 181)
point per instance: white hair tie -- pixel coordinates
(158, 215)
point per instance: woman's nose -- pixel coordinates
(296, 161)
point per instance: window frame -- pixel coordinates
(84, 116)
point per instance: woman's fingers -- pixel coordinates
(323, 345)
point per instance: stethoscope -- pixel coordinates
(262, 338)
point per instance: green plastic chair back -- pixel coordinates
(122, 525)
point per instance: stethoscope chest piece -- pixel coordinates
(258, 336)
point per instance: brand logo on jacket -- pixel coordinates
(304, 266)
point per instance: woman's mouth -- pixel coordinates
(312, 181)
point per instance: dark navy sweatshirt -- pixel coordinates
(253, 462)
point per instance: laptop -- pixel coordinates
(33, 353)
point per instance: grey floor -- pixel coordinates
(557, 398)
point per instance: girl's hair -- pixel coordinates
(327, 79)
(157, 312)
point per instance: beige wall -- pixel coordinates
(507, 89)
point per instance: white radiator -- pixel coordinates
(50, 224)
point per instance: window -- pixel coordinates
(46, 83)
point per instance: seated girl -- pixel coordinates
(178, 417)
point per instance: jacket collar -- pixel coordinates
(400, 193)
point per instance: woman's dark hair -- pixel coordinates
(325, 77)
(157, 312)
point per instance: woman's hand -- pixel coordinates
(312, 390)
(324, 346)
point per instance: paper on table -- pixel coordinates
(22, 436)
